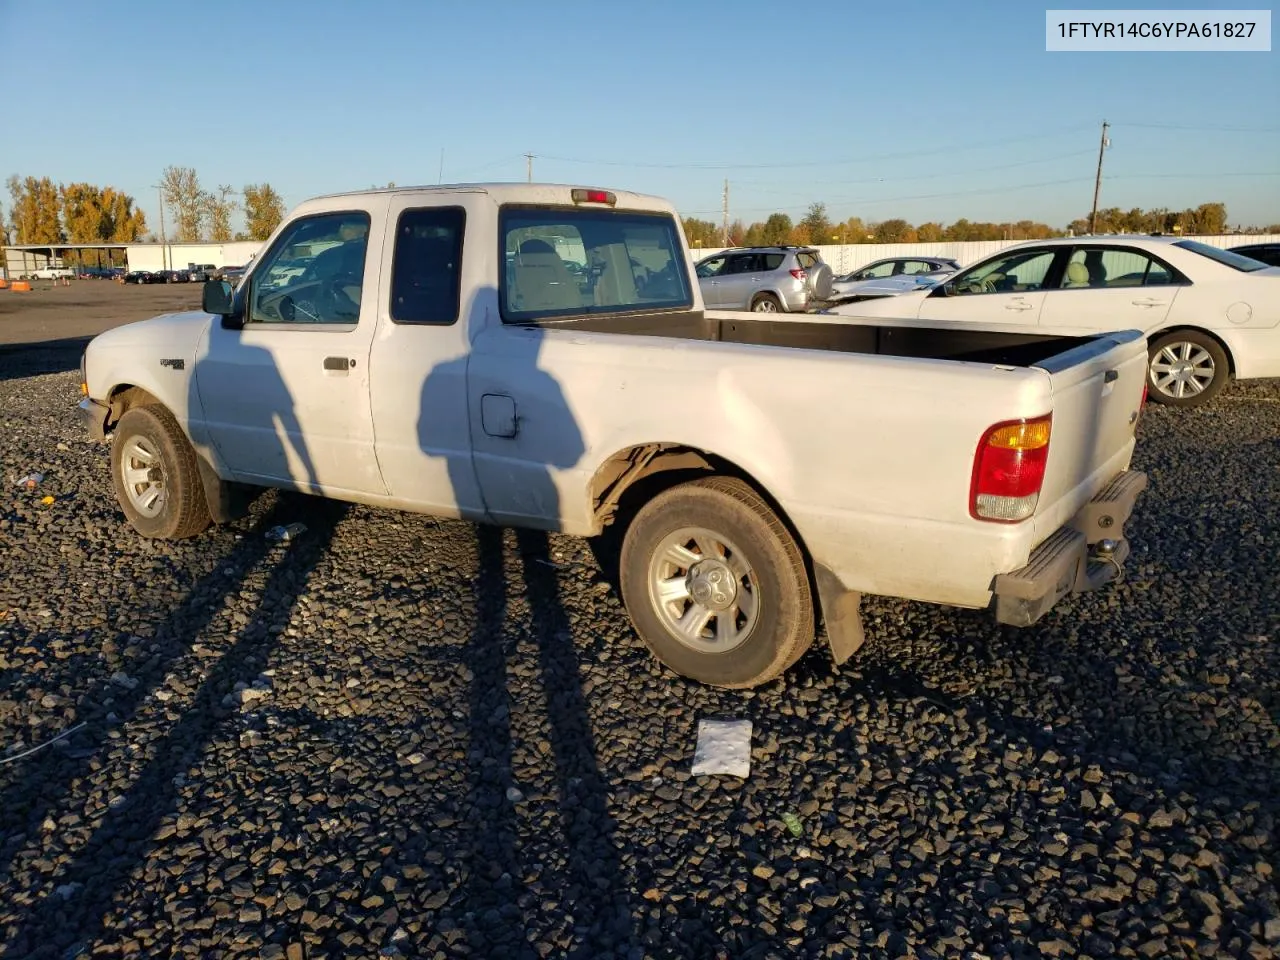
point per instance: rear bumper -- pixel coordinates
(93, 417)
(1084, 554)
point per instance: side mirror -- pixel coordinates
(944, 290)
(215, 298)
(218, 297)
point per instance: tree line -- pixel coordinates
(41, 211)
(817, 228)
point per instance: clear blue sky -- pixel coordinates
(926, 110)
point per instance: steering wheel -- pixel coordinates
(291, 310)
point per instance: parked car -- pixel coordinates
(1209, 314)
(202, 272)
(764, 279)
(232, 273)
(1268, 253)
(967, 465)
(891, 277)
(136, 276)
(177, 276)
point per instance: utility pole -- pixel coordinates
(528, 166)
(164, 244)
(724, 209)
(1097, 184)
(440, 175)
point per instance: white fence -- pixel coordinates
(850, 256)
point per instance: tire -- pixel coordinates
(748, 644)
(1186, 368)
(766, 303)
(149, 435)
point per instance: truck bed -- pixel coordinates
(839, 336)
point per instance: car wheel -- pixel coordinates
(1186, 368)
(156, 477)
(766, 303)
(716, 585)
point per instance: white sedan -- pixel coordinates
(1208, 314)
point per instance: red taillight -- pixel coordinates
(581, 195)
(1008, 470)
(799, 274)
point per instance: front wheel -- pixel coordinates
(716, 585)
(156, 477)
(1186, 368)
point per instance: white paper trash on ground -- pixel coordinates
(724, 746)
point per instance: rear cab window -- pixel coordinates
(571, 262)
(807, 259)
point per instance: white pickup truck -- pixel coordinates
(539, 356)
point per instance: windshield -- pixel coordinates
(1226, 257)
(574, 262)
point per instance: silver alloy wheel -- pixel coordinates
(704, 590)
(1182, 369)
(143, 473)
(765, 305)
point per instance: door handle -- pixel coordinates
(1148, 302)
(1018, 306)
(338, 363)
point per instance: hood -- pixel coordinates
(889, 286)
(903, 305)
(180, 331)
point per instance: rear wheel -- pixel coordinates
(1186, 368)
(766, 303)
(157, 479)
(716, 585)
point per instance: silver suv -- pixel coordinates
(781, 279)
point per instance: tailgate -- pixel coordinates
(1097, 396)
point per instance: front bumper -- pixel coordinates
(93, 417)
(1064, 563)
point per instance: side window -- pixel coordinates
(741, 263)
(911, 267)
(876, 271)
(426, 271)
(772, 261)
(1098, 267)
(713, 267)
(1013, 273)
(314, 273)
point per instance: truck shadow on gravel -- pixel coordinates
(18, 361)
(104, 864)
(513, 481)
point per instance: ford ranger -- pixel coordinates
(539, 356)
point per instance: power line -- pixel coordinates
(1192, 176)
(922, 196)
(1198, 128)
(929, 176)
(933, 151)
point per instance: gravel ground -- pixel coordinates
(403, 737)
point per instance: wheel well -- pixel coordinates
(632, 477)
(1231, 361)
(124, 396)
